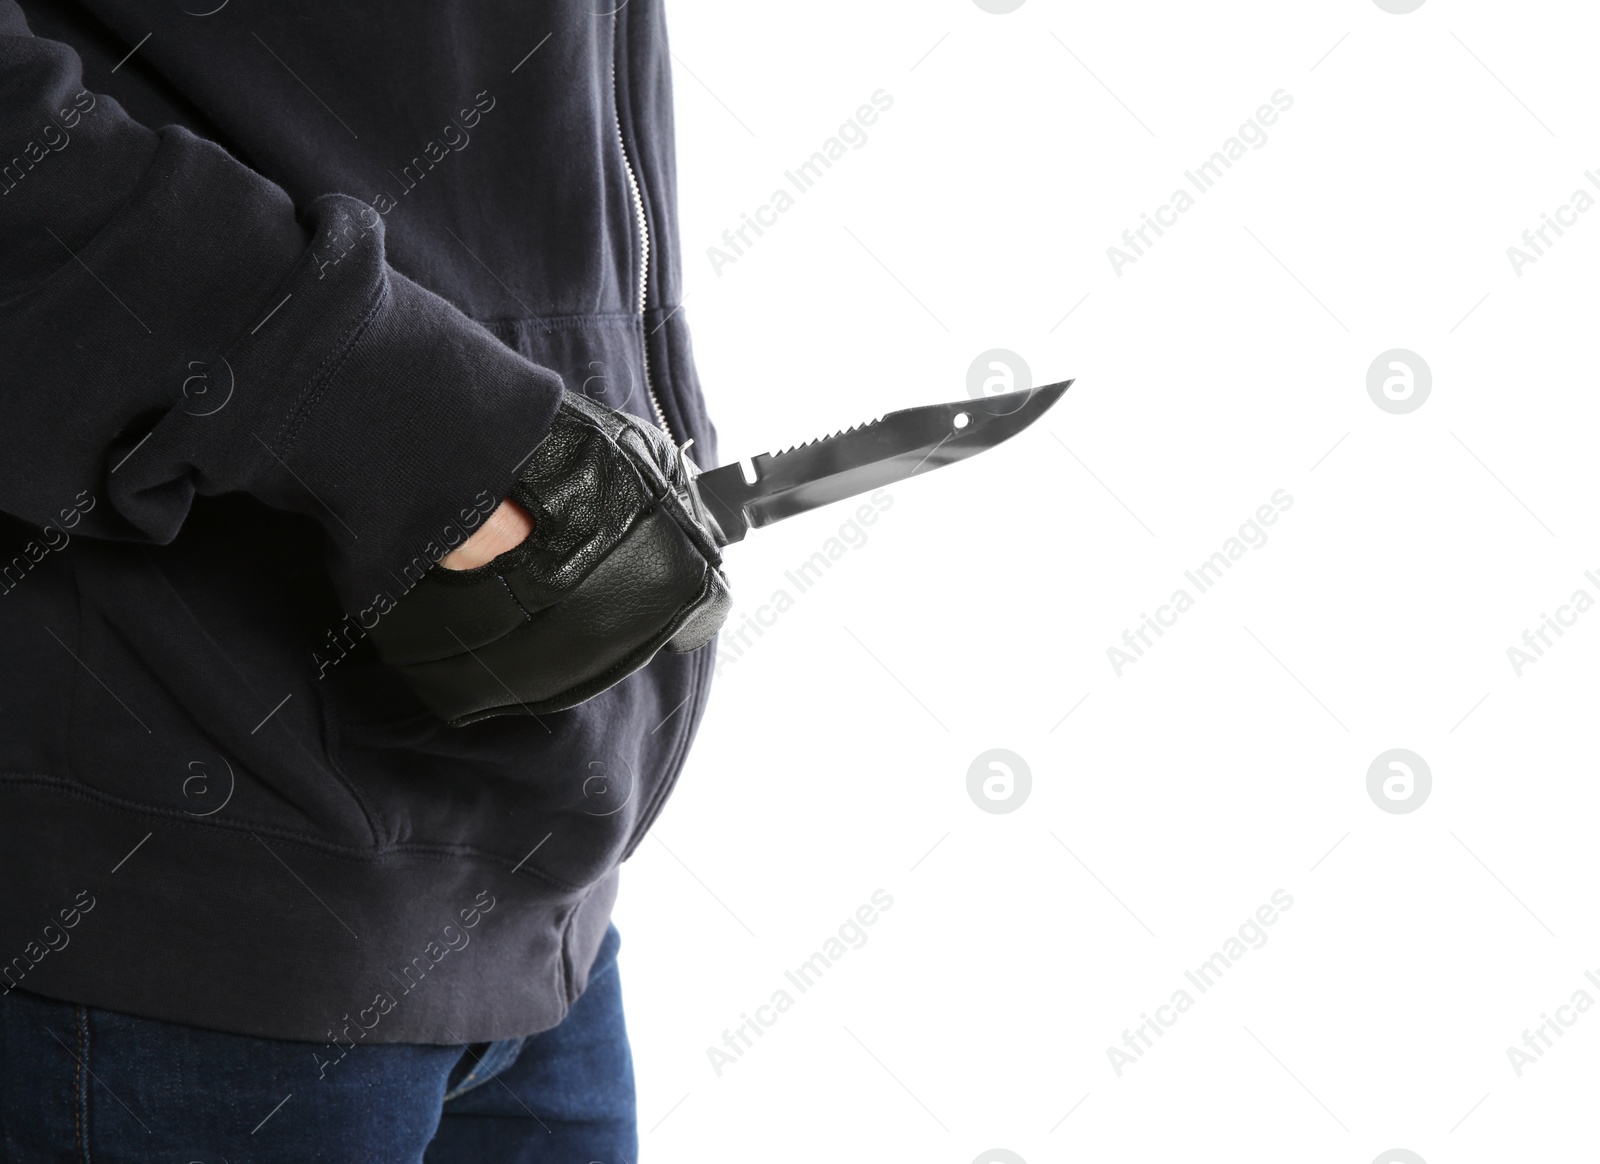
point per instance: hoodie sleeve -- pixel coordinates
(169, 325)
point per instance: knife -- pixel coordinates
(859, 459)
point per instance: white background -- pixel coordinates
(1230, 761)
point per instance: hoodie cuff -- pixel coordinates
(408, 422)
(413, 421)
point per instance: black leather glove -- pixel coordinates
(620, 564)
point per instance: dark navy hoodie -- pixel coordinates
(288, 294)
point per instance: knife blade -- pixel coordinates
(859, 459)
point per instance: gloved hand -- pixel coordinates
(621, 563)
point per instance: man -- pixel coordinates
(297, 299)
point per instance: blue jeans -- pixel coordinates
(79, 1084)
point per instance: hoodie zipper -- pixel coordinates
(644, 244)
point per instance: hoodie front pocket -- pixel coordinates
(169, 717)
